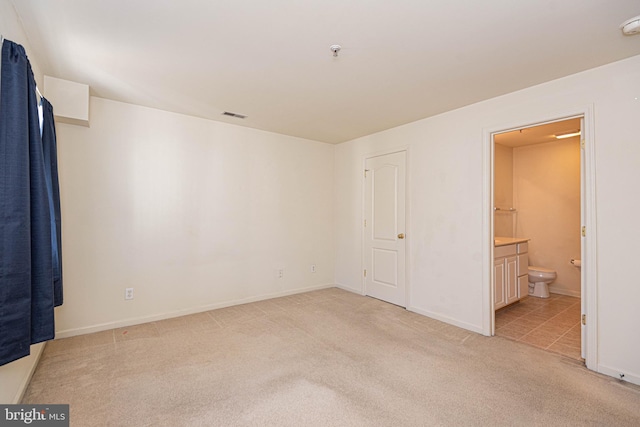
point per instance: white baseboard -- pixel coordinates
(427, 313)
(15, 376)
(616, 373)
(168, 315)
(349, 289)
(561, 291)
(447, 319)
(27, 378)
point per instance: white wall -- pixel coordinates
(11, 29)
(445, 187)
(193, 214)
(15, 376)
(446, 203)
(547, 195)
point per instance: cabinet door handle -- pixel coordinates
(401, 236)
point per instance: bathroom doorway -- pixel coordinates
(540, 200)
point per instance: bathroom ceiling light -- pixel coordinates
(631, 26)
(567, 135)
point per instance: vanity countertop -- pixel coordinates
(503, 241)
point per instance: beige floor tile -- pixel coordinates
(573, 334)
(546, 322)
(572, 351)
(517, 310)
(538, 317)
(528, 322)
(568, 342)
(536, 342)
(511, 332)
(544, 335)
(553, 329)
(566, 322)
(503, 321)
(576, 329)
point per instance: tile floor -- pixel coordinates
(550, 323)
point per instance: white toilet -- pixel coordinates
(539, 279)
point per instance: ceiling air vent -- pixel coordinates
(236, 115)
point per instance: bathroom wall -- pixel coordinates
(547, 195)
(504, 221)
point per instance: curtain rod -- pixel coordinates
(37, 90)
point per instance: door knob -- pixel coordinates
(401, 236)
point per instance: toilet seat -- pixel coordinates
(541, 274)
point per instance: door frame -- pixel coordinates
(589, 277)
(407, 214)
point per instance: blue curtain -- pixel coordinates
(29, 212)
(49, 149)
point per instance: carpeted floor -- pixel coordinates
(324, 358)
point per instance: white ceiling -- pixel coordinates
(537, 134)
(401, 60)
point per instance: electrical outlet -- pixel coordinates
(128, 293)
(313, 268)
(280, 273)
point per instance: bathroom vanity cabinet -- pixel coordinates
(510, 271)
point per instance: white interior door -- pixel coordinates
(384, 227)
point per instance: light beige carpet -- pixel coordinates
(325, 358)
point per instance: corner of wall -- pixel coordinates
(15, 376)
